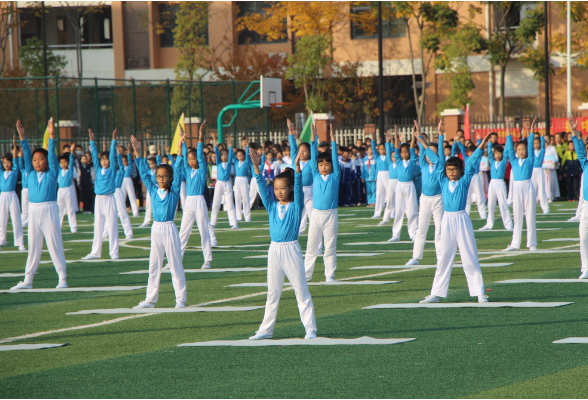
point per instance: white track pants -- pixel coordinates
(148, 209)
(165, 242)
(390, 200)
(581, 198)
(381, 186)
(285, 260)
(24, 197)
(584, 235)
(223, 193)
(183, 194)
(243, 208)
(429, 206)
(484, 180)
(406, 202)
(497, 193)
(74, 197)
(523, 205)
(128, 189)
(9, 206)
(510, 189)
(253, 191)
(196, 211)
(105, 218)
(307, 210)
(538, 179)
(44, 223)
(551, 184)
(121, 209)
(458, 232)
(322, 223)
(476, 194)
(64, 201)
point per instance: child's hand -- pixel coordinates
(72, 146)
(166, 148)
(332, 132)
(573, 124)
(20, 129)
(533, 125)
(297, 163)
(255, 159)
(113, 135)
(91, 134)
(136, 144)
(314, 131)
(291, 127)
(230, 141)
(201, 133)
(51, 129)
(180, 142)
(440, 127)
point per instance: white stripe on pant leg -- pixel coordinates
(468, 252)
(44, 224)
(538, 179)
(105, 218)
(242, 198)
(285, 259)
(390, 199)
(9, 206)
(307, 210)
(315, 233)
(129, 190)
(24, 196)
(429, 206)
(448, 243)
(253, 190)
(148, 209)
(121, 210)
(584, 236)
(381, 185)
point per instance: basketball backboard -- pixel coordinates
(271, 92)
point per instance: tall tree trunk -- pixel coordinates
(414, 88)
(502, 77)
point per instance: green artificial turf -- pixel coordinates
(481, 353)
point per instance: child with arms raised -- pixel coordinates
(64, 198)
(9, 200)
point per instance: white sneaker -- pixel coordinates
(74, 231)
(61, 285)
(234, 227)
(22, 248)
(485, 228)
(22, 285)
(247, 220)
(128, 237)
(310, 335)
(574, 219)
(375, 217)
(180, 304)
(144, 304)
(90, 257)
(584, 275)
(532, 248)
(482, 299)
(413, 261)
(509, 228)
(545, 212)
(330, 278)
(510, 248)
(430, 299)
(213, 243)
(394, 240)
(114, 257)
(320, 250)
(260, 336)
(308, 279)
(206, 265)
(382, 223)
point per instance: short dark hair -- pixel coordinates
(240, 151)
(405, 145)
(304, 144)
(497, 148)
(104, 154)
(454, 162)
(288, 175)
(324, 157)
(323, 144)
(42, 151)
(471, 148)
(345, 150)
(362, 148)
(64, 157)
(169, 170)
(493, 133)
(434, 146)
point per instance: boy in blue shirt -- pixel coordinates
(497, 187)
(347, 179)
(119, 198)
(538, 176)
(127, 188)
(369, 177)
(9, 200)
(105, 205)
(64, 198)
(382, 162)
(284, 255)
(476, 192)
(42, 170)
(24, 193)
(223, 189)
(165, 240)
(456, 225)
(389, 212)
(324, 219)
(242, 168)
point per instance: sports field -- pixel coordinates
(458, 352)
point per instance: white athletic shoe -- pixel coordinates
(61, 285)
(382, 223)
(482, 299)
(584, 275)
(22, 248)
(260, 336)
(574, 219)
(330, 278)
(213, 243)
(510, 248)
(247, 220)
(509, 228)
(320, 250)
(74, 231)
(234, 227)
(144, 304)
(144, 226)
(114, 257)
(308, 279)
(430, 299)
(375, 217)
(22, 285)
(128, 237)
(310, 335)
(413, 261)
(90, 257)
(532, 248)
(180, 304)
(206, 265)
(394, 239)
(545, 212)
(485, 228)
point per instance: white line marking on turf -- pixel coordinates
(525, 304)
(164, 310)
(386, 242)
(338, 255)
(563, 240)
(76, 289)
(510, 230)
(245, 269)
(427, 266)
(98, 260)
(319, 341)
(36, 346)
(578, 340)
(335, 283)
(544, 281)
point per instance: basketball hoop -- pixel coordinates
(274, 105)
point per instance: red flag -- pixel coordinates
(467, 133)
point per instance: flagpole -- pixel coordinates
(569, 49)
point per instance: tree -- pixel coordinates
(8, 21)
(191, 39)
(305, 67)
(31, 59)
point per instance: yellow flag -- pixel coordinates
(46, 136)
(175, 143)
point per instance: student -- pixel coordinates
(323, 221)
(307, 177)
(9, 200)
(392, 181)
(497, 188)
(42, 170)
(105, 204)
(347, 178)
(242, 167)
(357, 187)
(24, 194)
(571, 168)
(165, 240)
(86, 179)
(64, 198)
(119, 198)
(151, 162)
(431, 203)
(476, 192)
(223, 189)
(406, 199)
(195, 170)
(127, 188)
(382, 161)
(172, 161)
(551, 183)
(271, 169)
(538, 177)
(285, 255)
(369, 177)
(524, 202)
(456, 225)
(253, 188)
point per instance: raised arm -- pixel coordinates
(264, 193)
(72, 163)
(217, 154)
(298, 194)
(53, 162)
(490, 153)
(113, 153)
(94, 151)
(334, 154)
(292, 140)
(578, 143)
(314, 151)
(142, 167)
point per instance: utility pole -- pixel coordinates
(546, 48)
(44, 39)
(380, 77)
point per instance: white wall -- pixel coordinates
(97, 63)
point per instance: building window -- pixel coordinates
(167, 19)
(391, 26)
(249, 37)
(507, 14)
